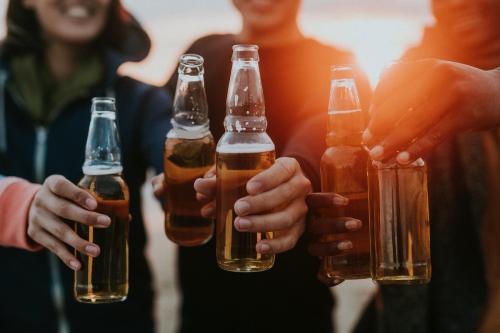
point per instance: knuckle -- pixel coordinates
(306, 184)
(80, 196)
(288, 191)
(443, 68)
(57, 183)
(60, 230)
(287, 165)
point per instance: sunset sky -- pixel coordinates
(378, 31)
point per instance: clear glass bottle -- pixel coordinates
(189, 153)
(104, 279)
(343, 171)
(399, 217)
(244, 150)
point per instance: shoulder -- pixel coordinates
(213, 42)
(134, 90)
(334, 54)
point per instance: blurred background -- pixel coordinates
(376, 31)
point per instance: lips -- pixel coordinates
(78, 12)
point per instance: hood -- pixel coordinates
(135, 44)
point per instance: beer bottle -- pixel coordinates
(104, 279)
(189, 153)
(343, 171)
(400, 230)
(244, 150)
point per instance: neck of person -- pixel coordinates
(63, 59)
(280, 36)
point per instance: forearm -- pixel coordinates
(16, 196)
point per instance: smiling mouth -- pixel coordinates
(79, 12)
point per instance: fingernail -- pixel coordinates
(90, 203)
(74, 264)
(367, 136)
(254, 187)
(263, 248)
(91, 250)
(346, 245)
(242, 207)
(353, 224)
(242, 224)
(377, 152)
(208, 210)
(210, 174)
(103, 220)
(340, 201)
(403, 157)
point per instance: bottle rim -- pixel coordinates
(342, 71)
(245, 47)
(191, 60)
(110, 100)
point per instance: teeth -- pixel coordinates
(78, 12)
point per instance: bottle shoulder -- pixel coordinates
(254, 141)
(105, 187)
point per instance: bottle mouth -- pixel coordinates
(108, 100)
(103, 104)
(191, 60)
(342, 71)
(245, 52)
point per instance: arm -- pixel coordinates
(417, 105)
(16, 196)
(156, 112)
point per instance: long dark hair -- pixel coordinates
(24, 31)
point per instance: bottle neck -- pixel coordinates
(190, 116)
(102, 151)
(346, 120)
(245, 107)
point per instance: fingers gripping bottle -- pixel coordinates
(343, 171)
(104, 279)
(189, 153)
(244, 150)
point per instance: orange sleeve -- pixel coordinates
(16, 196)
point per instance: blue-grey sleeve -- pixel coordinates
(157, 112)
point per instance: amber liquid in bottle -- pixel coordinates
(185, 160)
(104, 279)
(188, 154)
(400, 227)
(236, 250)
(343, 171)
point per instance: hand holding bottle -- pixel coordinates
(418, 105)
(58, 199)
(326, 217)
(275, 202)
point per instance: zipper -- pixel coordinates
(57, 290)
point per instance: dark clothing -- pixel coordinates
(29, 281)
(454, 301)
(287, 298)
